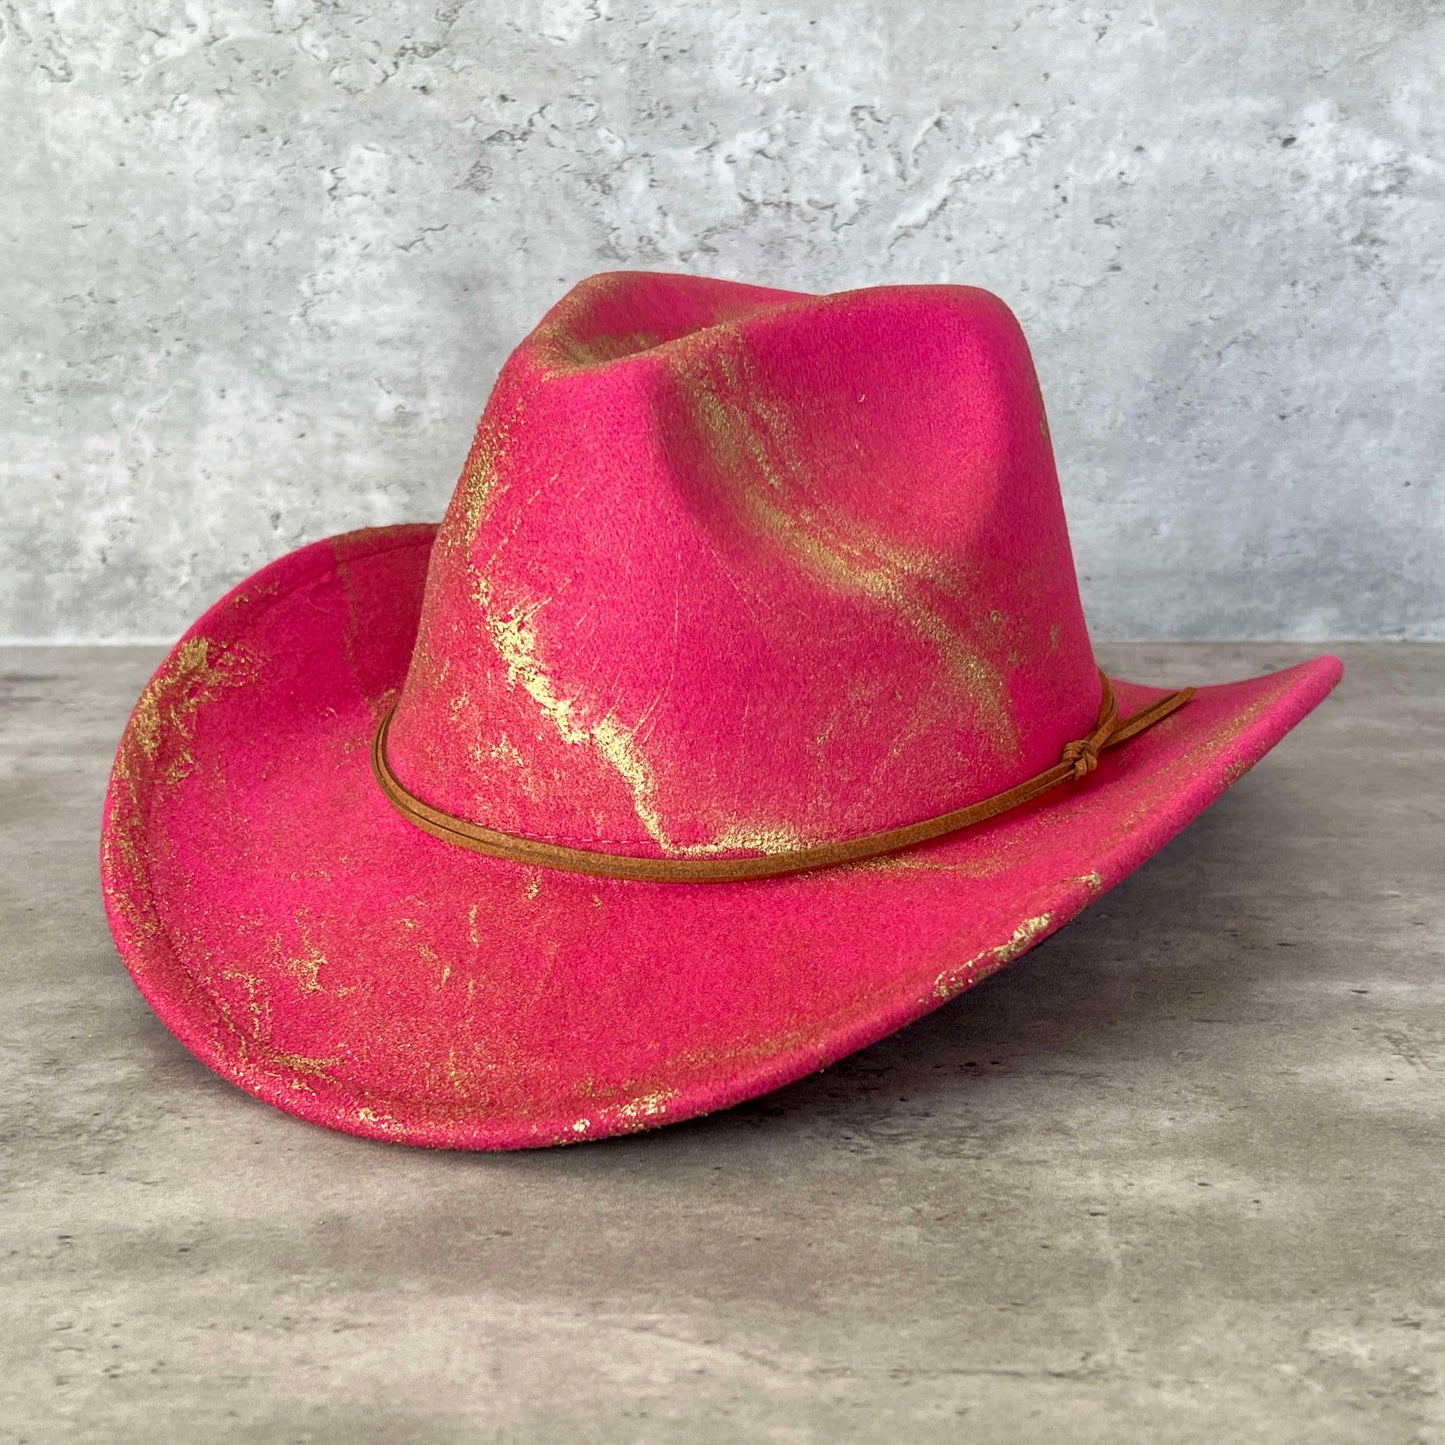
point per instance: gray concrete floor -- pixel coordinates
(1177, 1175)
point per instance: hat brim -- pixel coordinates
(310, 945)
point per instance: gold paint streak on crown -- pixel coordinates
(756, 445)
(514, 636)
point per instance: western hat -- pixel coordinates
(740, 710)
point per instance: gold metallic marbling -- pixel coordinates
(195, 674)
(514, 636)
(755, 445)
(954, 980)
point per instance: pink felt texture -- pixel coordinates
(728, 569)
(788, 575)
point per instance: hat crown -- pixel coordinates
(735, 570)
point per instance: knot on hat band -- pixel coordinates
(1082, 755)
(1078, 760)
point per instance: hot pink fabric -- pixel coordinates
(733, 570)
(728, 570)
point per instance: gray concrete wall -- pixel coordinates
(259, 264)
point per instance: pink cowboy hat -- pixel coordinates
(740, 710)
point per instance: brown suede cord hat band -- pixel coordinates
(1078, 759)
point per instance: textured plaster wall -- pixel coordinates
(259, 264)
